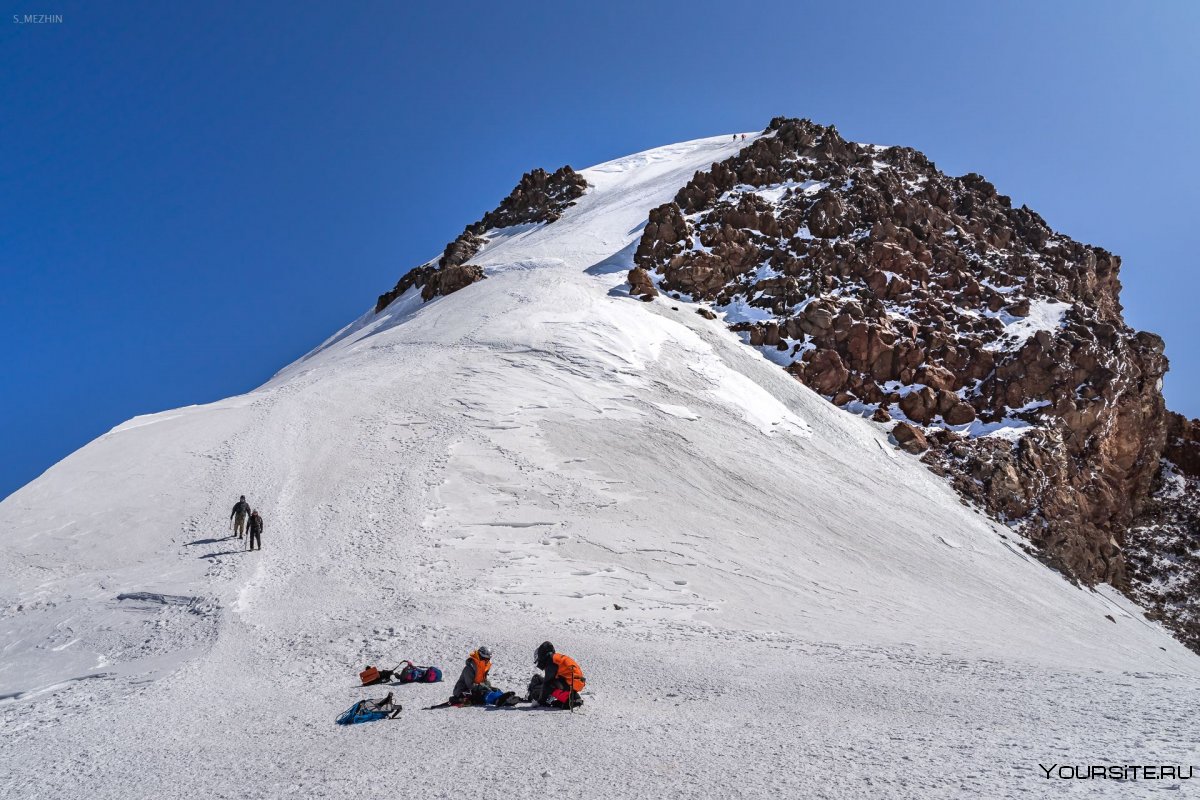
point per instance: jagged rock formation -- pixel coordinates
(1163, 546)
(907, 295)
(539, 197)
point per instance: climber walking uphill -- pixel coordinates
(256, 529)
(562, 683)
(241, 510)
(473, 687)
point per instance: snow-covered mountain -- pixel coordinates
(979, 336)
(767, 596)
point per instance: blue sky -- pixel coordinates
(193, 195)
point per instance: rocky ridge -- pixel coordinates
(1163, 546)
(989, 343)
(539, 197)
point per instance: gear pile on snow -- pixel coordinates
(370, 711)
(409, 673)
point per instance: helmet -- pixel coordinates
(243, 497)
(544, 651)
(485, 652)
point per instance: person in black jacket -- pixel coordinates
(562, 683)
(241, 510)
(256, 529)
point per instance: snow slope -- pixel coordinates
(804, 611)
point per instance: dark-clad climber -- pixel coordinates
(562, 683)
(241, 510)
(256, 529)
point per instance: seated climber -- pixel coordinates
(562, 683)
(473, 688)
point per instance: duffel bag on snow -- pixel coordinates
(414, 674)
(369, 711)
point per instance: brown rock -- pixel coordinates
(824, 372)
(414, 277)
(946, 400)
(960, 414)
(1020, 308)
(920, 406)
(641, 284)
(936, 377)
(1183, 444)
(826, 218)
(909, 439)
(450, 279)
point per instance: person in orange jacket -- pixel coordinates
(563, 681)
(473, 687)
(475, 673)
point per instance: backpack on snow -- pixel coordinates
(414, 674)
(369, 711)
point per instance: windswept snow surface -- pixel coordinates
(802, 611)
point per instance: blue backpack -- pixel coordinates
(369, 711)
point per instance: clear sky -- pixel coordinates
(194, 194)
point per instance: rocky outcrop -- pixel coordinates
(904, 294)
(641, 285)
(1163, 545)
(539, 198)
(1183, 443)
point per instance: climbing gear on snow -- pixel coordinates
(370, 710)
(415, 674)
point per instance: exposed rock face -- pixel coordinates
(1163, 546)
(1183, 443)
(540, 197)
(903, 293)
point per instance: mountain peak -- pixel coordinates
(994, 344)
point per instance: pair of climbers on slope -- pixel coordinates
(558, 687)
(247, 520)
